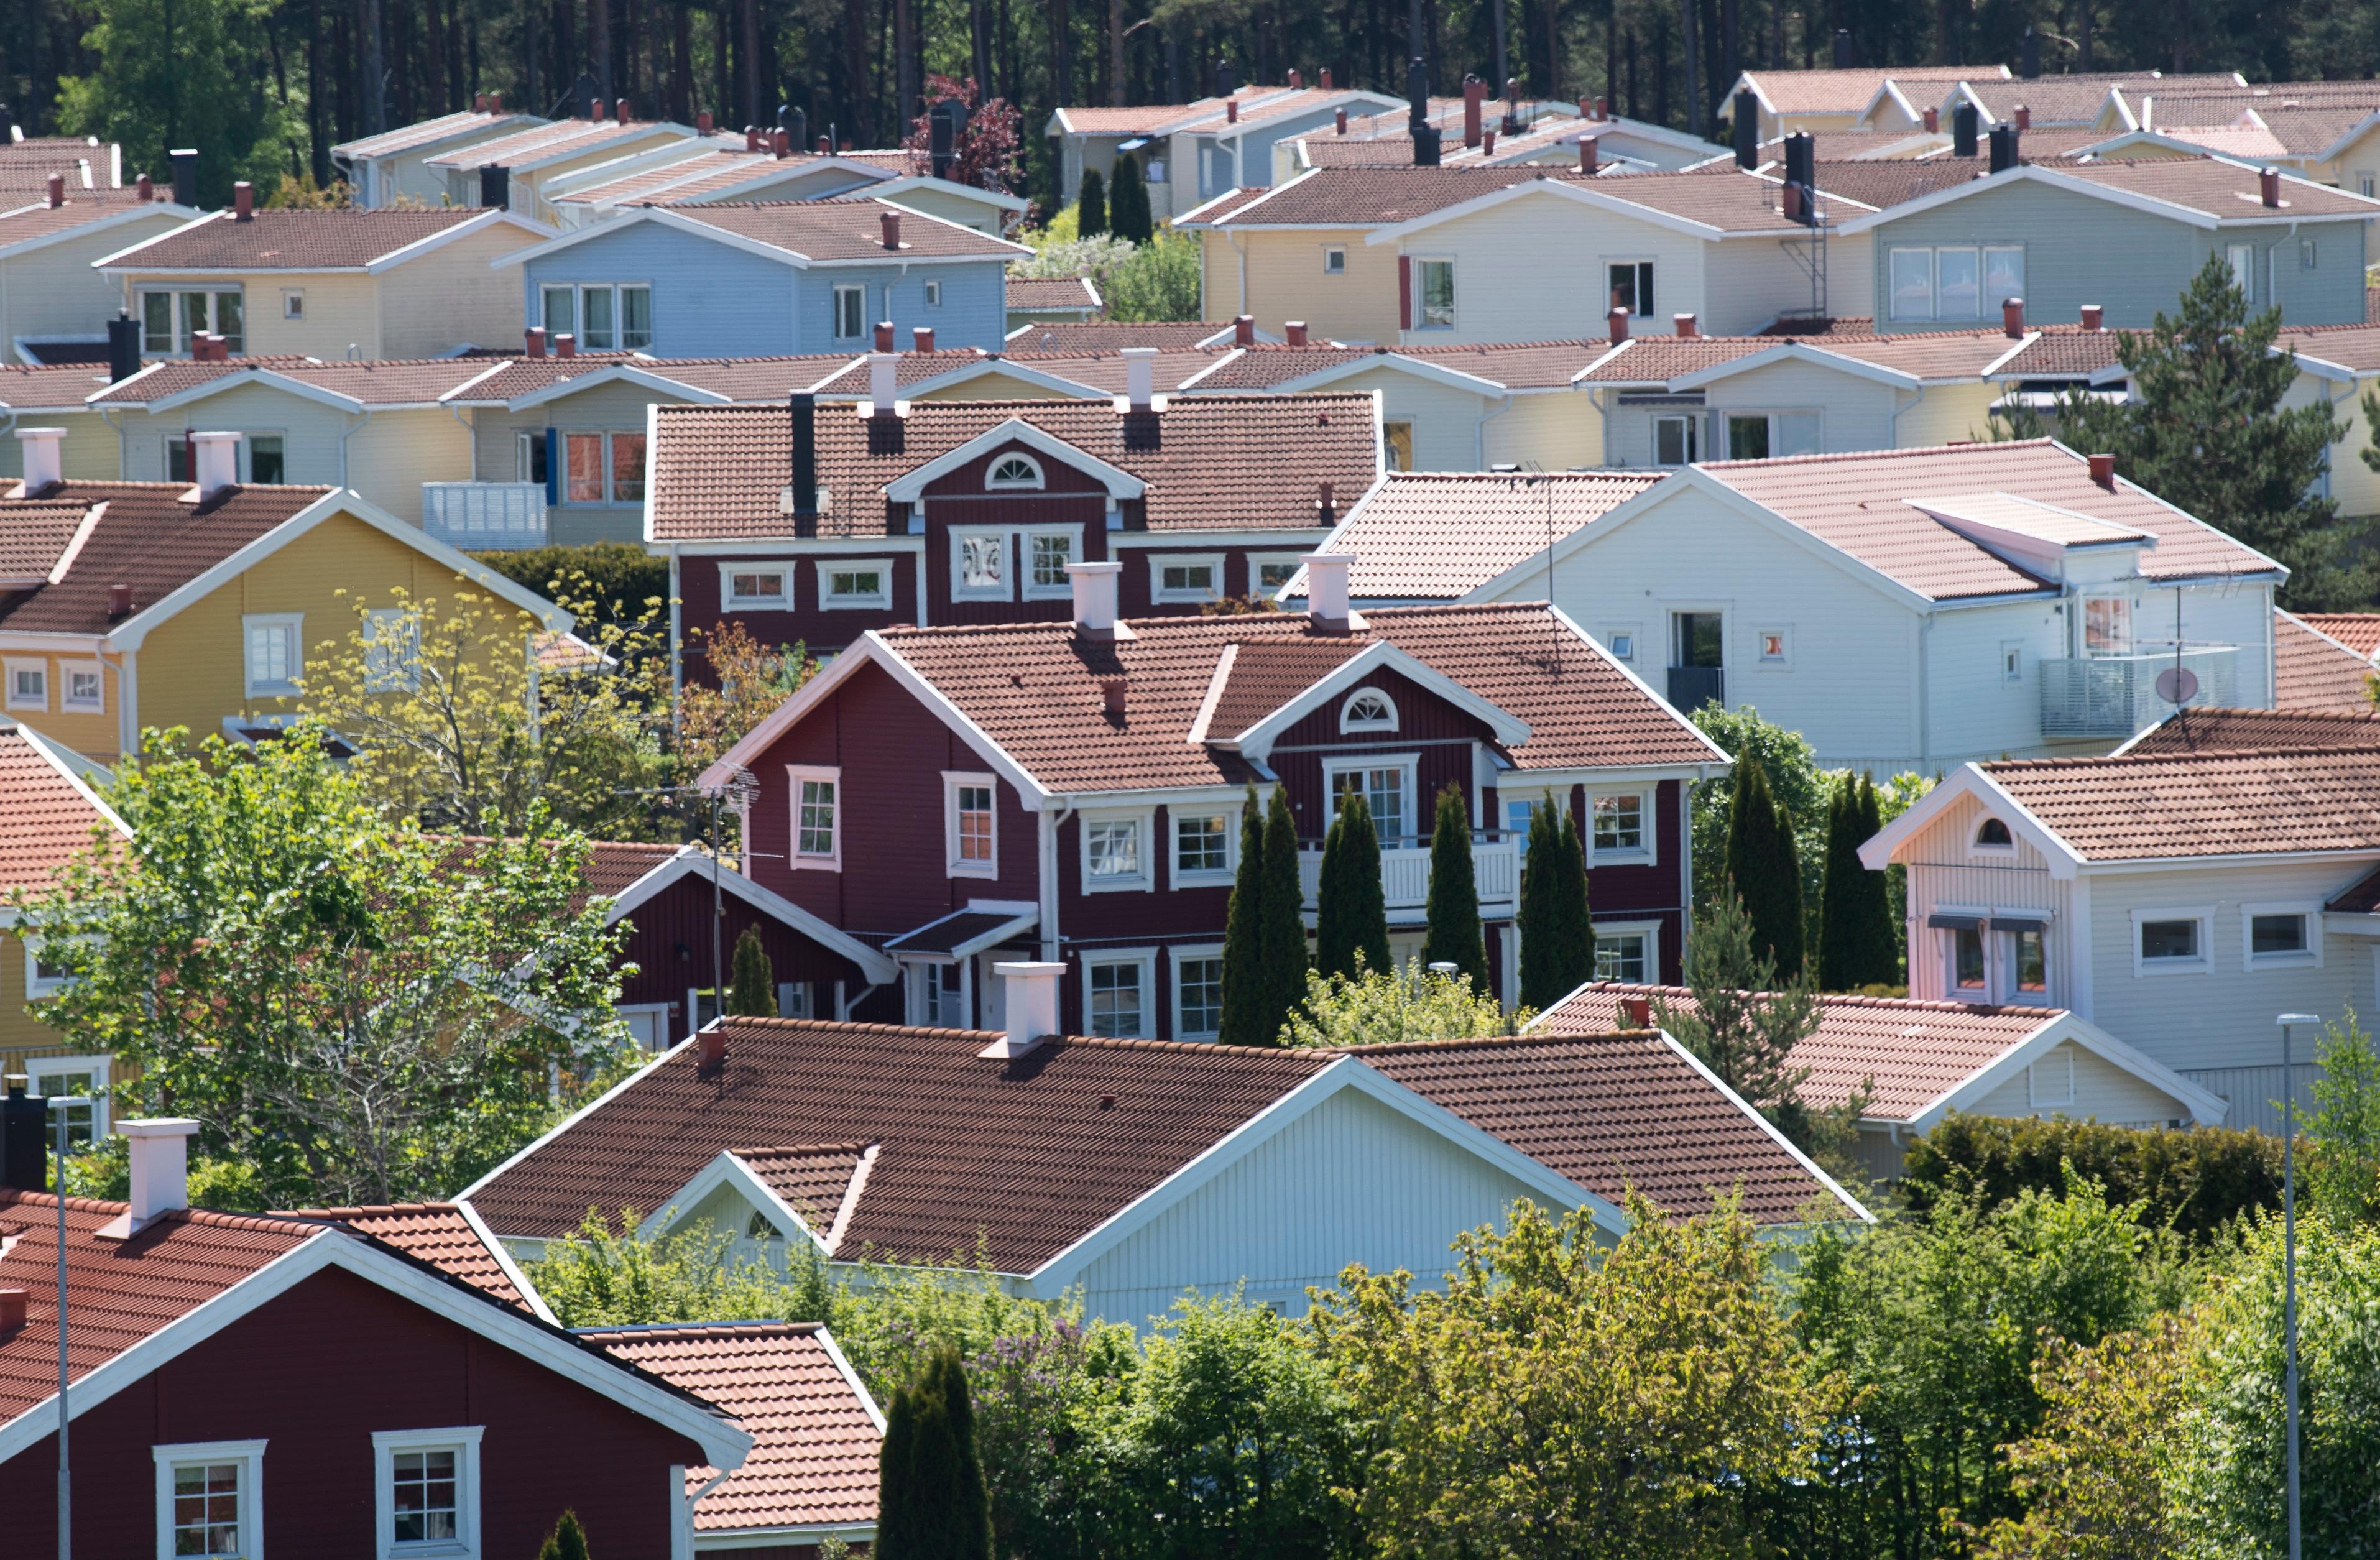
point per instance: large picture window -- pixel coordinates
(603, 468)
(604, 317)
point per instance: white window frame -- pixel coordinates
(663, 1012)
(829, 601)
(2241, 258)
(178, 318)
(1334, 259)
(1159, 592)
(2003, 947)
(954, 867)
(1027, 587)
(2202, 965)
(962, 592)
(1256, 562)
(248, 1455)
(16, 666)
(933, 295)
(1145, 881)
(611, 496)
(293, 303)
(1892, 285)
(924, 992)
(1780, 662)
(68, 671)
(1694, 443)
(1648, 929)
(294, 624)
(854, 290)
(1991, 300)
(1647, 854)
(1646, 297)
(2011, 660)
(1350, 726)
(1620, 641)
(1941, 307)
(1203, 877)
(1946, 941)
(2039, 1098)
(1410, 762)
(36, 984)
(1776, 421)
(2310, 958)
(1174, 956)
(794, 856)
(461, 1440)
(96, 1072)
(1038, 481)
(1143, 959)
(1976, 845)
(1453, 320)
(618, 291)
(782, 599)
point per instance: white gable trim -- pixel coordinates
(1595, 198)
(1719, 755)
(910, 485)
(2205, 1109)
(1767, 1126)
(1397, 362)
(977, 369)
(116, 218)
(2034, 172)
(512, 1269)
(269, 378)
(660, 216)
(495, 216)
(1969, 780)
(1795, 352)
(1256, 741)
(727, 1168)
(901, 184)
(619, 374)
(689, 862)
(124, 255)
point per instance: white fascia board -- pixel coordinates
(495, 216)
(75, 769)
(2206, 1108)
(135, 377)
(1795, 352)
(2322, 368)
(910, 485)
(1767, 1126)
(725, 1168)
(1008, 246)
(506, 1264)
(795, 546)
(2355, 132)
(1252, 205)
(1617, 348)
(116, 218)
(1592, 197)
(1057, 386)
(689, 862)
(1420, 368)
(1878, 851)
(858, 1388)
(901, 183)
(1256, 741)
(235, 380)
(618, 373)
(1234, 355)
(122, 256)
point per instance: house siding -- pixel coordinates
(2101, 1092)
(94, 734)
(670, 942)
(386, 456)
(89, 453)
(1488, 307)
(52, 291)
(1285, 282)
(808, 623)
(452, 298)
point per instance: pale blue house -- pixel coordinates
(770, 279)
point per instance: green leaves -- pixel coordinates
(1557, 936)
(1392, 1007)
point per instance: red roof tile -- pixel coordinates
(1028, 294)
(1847, 91)
(423, 132)
(2226, 731)
(436, 1233)
(2221, 190)
(41, 219)
(2163, 805)
(1366, 197)
(1439, 535)
(2358, 631)
(64, 387)
(2313, 671)
(147, 539)
(37, 535)
(383, 382)
(47, 818)
(833, 230)
(1106, 336)
(296, 240)
(813, 1181)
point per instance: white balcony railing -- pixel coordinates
(2115, 696)
(484, 516)
(1404, 876)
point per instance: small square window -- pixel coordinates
(1114, 849)
(1269, 572)
(427, 1492)
(979, 563)
(933, 295)
(1185, 578)
(209, 1496)
(1775, 648)
(748, 589)
(85, 687)
(274, 662)
(1334, 261)
(293, 304)
(2012, 662)
(2278, 936)
(1622, 643)
(1620, 824)
(1049, 553)
(1202, 844)
(1674, 440)
(75, 1089)
(973, 828)
(28, 685)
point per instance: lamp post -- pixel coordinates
(2289, 1259)
(65, 1478)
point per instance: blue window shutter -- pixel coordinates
(552, 466)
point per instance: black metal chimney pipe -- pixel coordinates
(1747, 129)
(186, 176)
(801, 409)
(495, 186)
(941, 139)
(1963, 130)
(797, 131)
(123, 347)
(24, 1140)
(2029, 66)
(1225, 83)
(2004, 150)
(1842, 48)
(1425, 134)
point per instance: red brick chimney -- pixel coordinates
(1618, 319)
(119, 601)
(243, 201)
(2268, 185)
(825, 147)
(2103, 471)
(891, 224)
(1637, 1011)
(12, 1311)
(1933, 121)
(922, 337)
(1475, 92)
(495, 103)
(143, 189)
(533, 342)
(479, 102)
(1488, 142)
(1687, 330)
(1115, 696)
(1326, 505)
(1295, 331)
(2023, 118)
(752, 138)
(703, 122)
(620, 111)
(2013, 317)
(2094, 317)
(57, 190)
(1588, 162)
(884, 336)
(781, 142)
(1231, 111)
(710, 1051)
(1339, 122)
(1296, 81)
(1326, 78)
(566, 345)
(1244, 331)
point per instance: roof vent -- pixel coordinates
(243, 201)
(2023, 118)
(57, 190)
(1638, 1011)
(44, 455)
(566, 345)
(921, 339)
(1326, 590)
(1339, 123)
(2268, 185)
(1029, 997)
(533, 341)
(1095, 598)
(883, 334)
(2013, 318)
(711, 1050)
(890, 223)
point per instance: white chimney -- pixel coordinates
(160, 1164)
(1139, 376)
(215, 458)
(1326, 589)
(44, 457)
(881, 367)
(1029, 994)
(1094, 597)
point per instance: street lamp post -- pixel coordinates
(2290, 1260)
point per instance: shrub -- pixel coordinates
(620, 577)
(2195, 1182)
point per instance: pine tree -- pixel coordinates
(1351, 908)
(751, 983)
(1877, 961)
(1838, 887)
(1557, 947)
(1741, 1016)
(1453, 911)
(1092, 215)
(931, 1501)
(968, 1531)
(1281, 930)
(1243, 1017)
(1767, 872)
(568, 1542)
(1128, 214)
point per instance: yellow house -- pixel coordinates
(58, 396)
(137, 605)
(327, 284)
(50, 296)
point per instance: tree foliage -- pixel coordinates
(1128, 209)
(1091, 207)
(932, 1503)
(1350, 930)
(1789, 765)
(1556, 930)
(567, 1541)
(1281, 926)
(176, 73)
(1246, 1013)
(1740, 1019)
(1158, 280)
(2197, 1183)
(1390, 1006)
(602, 1277)
(1855, 939)
(1452, 909)
(752, 982)
(1766, 873)
(985, 155)
(613, 581)
(746, 680)
(2345, 1126)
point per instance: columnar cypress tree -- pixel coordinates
(568, 1542)
(1128, 213)
(1091, 216)
(1835, 888)
(931, 1501)
(1556, 945)
(1879, 958)
(1454, 935)
(1855, 945)
(1281, 926)
(1766, 870)
(752, 984)
(1242, 1022)
(1352, 909)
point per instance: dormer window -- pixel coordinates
(1368, 709)
(1012, 472)
(1993, 835)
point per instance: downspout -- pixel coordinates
(1051, 823)
(1910, 407)
(2328, 465)
(682, 1531)
(1479, 432)
(470, 431)
(343, 447)
(1925, 687)
(128, 705)
(1603, 417)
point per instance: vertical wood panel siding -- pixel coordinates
(808, 623)
(669, 941)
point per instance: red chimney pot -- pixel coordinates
(143, 189)
(825, 147)
(1327, 502)
(495, 103)
(884, 336)
(119, 601)
(2268, 185)
(2103, 471)
(1588, 161)
(566, 345)
(710, 1051)
(1488, 142)
(1639, 1012)
(1474, 94)
(57, 190)
(1244, 331)
(243, 201)
(1231, 111)
(923, 336)
(1339, 122)
(2013, 317)
(1618, 320)
(890, 222)
(533, 341)
(1297, 82)
(1687, 330)
(703, 122)
(2023, 118)
(1295, 331)
(1933, 121)
(1326, 78)
(781, 142)
(620, 111)
(752, 138)
(2094, 317)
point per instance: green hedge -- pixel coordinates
(621, 574)
(2196, 1180)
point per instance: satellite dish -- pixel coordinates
(2176, 684)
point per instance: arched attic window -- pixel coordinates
(1993, 835)
(1013, 473)
(1368, 709)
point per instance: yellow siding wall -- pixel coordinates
(394, 453)
(53, 290)
(21, 1033)
(1948, 414)
(89, 453)
(1220, 270)
(451, 295)
(2354, 485)
(992, 387)
(980, 216)
(1559, 431)
(529, 187)
(92, 733)
(1286, 282)
(340, 310)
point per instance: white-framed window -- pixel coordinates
(1519, 813)
(2241, 257)
(2026, 978)
(1992, 837)
(1772, 647)
(1334, 259)
(1015, 472)
(1185, 576)
(1958, 284)
(1115, 851)
(2012, 660)
(1205, 843)
(1622, 827)
(293, 303)
(1116, 988)
(1758, 436)
(1434, 285)
(1957, 281)
(29, 683)
(210, 1499)
(603, 468)
(937, 998)
(1631, 285)
(272, 653)
(2363, 184)
(851, 584)
(426, 1493)
(2003, 274)
(75, 1086)
(1197, 991)
(1676, 441)
(1268, 572)
(2305, 254)
(82, 685)
(1388, 786)
(168, 320)
(1628, 950)
(41, 978)
(1967, 970)
(1910, 278)
(850, 313)
(970, 824)
(980, 564)
(933, 295)
(1621, 642)
(605, 316)
(2050, 1079)
(1047, 554)
(815, 793)
(2173, 940)
(2280, 933)
(749, 587)
(2106, 625)
(391, 650)
(1368, 709)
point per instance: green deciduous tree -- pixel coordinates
(1556, 935)
(597, 1277)
(2198, 1183)
(177, 73)
(932, 1503)
(1385, 1006)
(1765, 870)
(1158, 280)
(2344, 1126)
(1452, 909)
(1128, 211)
(1281, 926)
(1351, 930)
(1856, 942)
(1092, 210)
(1242, 1019)
(751, 983)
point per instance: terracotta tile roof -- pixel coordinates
(2353, 347)
(1907, 1054)
(26, 167)
(813, 1180)
(1033, 689)
(2077, 99)
(65, 386)
(1528, 365)
(1264, 674)
(815, 1445)
(1211, 462)
(422, 132)
(121, 1292)
(833, 230)
(2313, 671)
(538, 142)
(1026, 294)
(284, 239)
(1847, 91)
(2223, 191)
(1930, 355)
(2224, 731)
(2064, 352)
(391, 381)
(700, 174)
(45, 818)
(1366, 197)
(2164, 805)
(1889, 183)
(1439, 535)
(1096, 371)
(2358, 631)
(41, 219)
(1615, 1112)
(1106, 336)
(147, 539)
(1022, 1153)
(436, 1233)
(36, 537)
(1859, 503)
(2056, 145)
(1657, 360)
(2256, 143)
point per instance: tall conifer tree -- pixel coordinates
(1128, 210)
(1351, 908)
(1244, 975)
(1855, 945)
(1454, 935)
(931, 1501)
(1557, 948)
(1282, 926)
(752, 982)
(1091, 214)
(1766, 870)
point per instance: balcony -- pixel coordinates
(485, 516)
(2115, 696)
(1404, 875)
(1691, 688)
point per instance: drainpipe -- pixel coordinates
(1910, 407)
(343, 445)
(677, 652)
(682, 1531)
(456, 413)
(1479, 432)
(1051, 823)
(1603, 420)
(127, 706)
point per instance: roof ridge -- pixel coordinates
(1879, 454)
(754, 1328)
(1461, 1043)
(1225, 624)
(1852, 999)
(2316, 749)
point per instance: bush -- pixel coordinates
(2196, 1182)
(619, 576)
(1159, 280)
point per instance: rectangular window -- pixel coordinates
(1958, 285)
(1910, 279)
(970, 838)
(598, 331)
(391, 650)
(851, 584)
(528, 458)
(1048, 553)
(2363, 184)
(1674, 441)
(1701, 638)
(1268, 572)
(2106, 625)
(1199, 997)
(2170, 942)
(1114, 849)
(1747, 437)
(2277, 936)
(1334, 261)
(267, 463)
(750, 590)
(208, 1500)
(156, 322)
(1396, 440)
(933, 295)
(293, 303)
(1185, 579)
(1620, 824)
(982, 564)
(1117, 1008)
(2029, 963)
(561, 313)
(636, 319)
(938, 1003)
(850, 313)
(628, 468)
(74, 1088)
(28, 685)
(427, 1492)
(2003, 275)
(274, 660)
(1437, 295)
(1968, 976)
(1622, 956)
(1631, 285)
(42, 977)
(1775, 648)
(1202, 845)
(2011, 660)
(1621, 643)
(170, 320)
(1384, 790)
(582, 468)
(1517, 817)
(86, 686)
(2241, 257)
(818, 817)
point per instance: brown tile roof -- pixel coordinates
(1028, 293)
(1106, 336)
(2166, 805)
(1211, 462)
(436, 1233)
(1264, 674)
(422, 132)
(121, 1292)
(538, 142)
(700, 174)
(815, 1443)
(1930, 355)
(64, 386)
(295, 240)
(41, 219)
(2226, 191)
(1847, 91)
(1020, 1153)
(2358, 631)
(1438, 535)
(1615, 1112)
(2224, 731)
(37, 536)
(1094, 371)
(1033, 689)
(147, 539)
(1528, 365)
(1366, 197)
(1657, 360)
(831, 230)
(814, 1181)
(45, 818)
(2313, 671)
(2064, 352)
(1859, 503)
(2077, 99)
(1890, 182)
(391, 381)
(1907, 1054)
(2353, 347)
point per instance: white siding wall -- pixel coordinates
(1575, 242)
(1947, 872)
(2100, 1091)
(1853, 413)
(52, 291)
(1974, 710)
(1748, 281)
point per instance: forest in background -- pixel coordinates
(267, 87)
